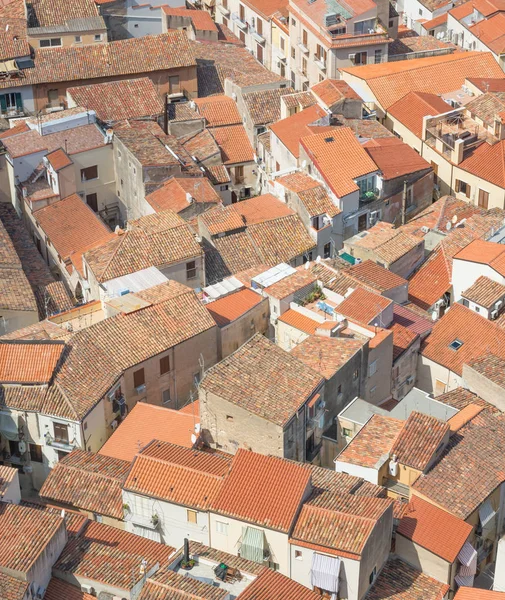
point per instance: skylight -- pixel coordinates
(456, 344)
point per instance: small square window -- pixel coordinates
(477, 309)
(456, 344)
(298, 555)
(165, 397)
(346, 432)
(78, 39)
(191, 515)
(191, 270)
(373, 575)
(222, 528)
(164, 365)
(98, 518)
(98, 37)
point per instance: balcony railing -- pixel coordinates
(319, 62)
(313, 452)
(370, 195)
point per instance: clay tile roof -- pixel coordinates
(267, 7)
(326, 355)
(372, 274)
(469, 470)
(218, 174)
(490, 32)
(14, 589)
(411, 109)
(400, 581)
(465, 415)
(487, 162)
(412, 319)
(162, 52)
(331, 91)
(271, 584)
(58, 589)
(298, 182)
(374, 440)
(298, 321)
(234, 143)
(419, 440)
(228, 255)
(7, 475)
(201, 20)
(394, 158)
(88, 481)
(177, 474)
(291, 284)
(363, 306)
(254, 476)
(168, 585)
(218, 110)
(173, 194)
(25, 534)
(264, 106)
(72, 227)
(59, 159)
(317, 202)
(477, 334)
(492, 367)
(90, 554)
(157, 239)
(260, 375)
(229, 308)
(436, 22)
(118, 100)
(466, 593)
(460, 398)
(339, 158)
(145, 423)
(403, 338)
(332, 531)
(291, 129)
(484, 253)
(484, 292)
(388, 243)
(29, 362)
(389, 82)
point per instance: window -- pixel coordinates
(293, 22)
(191, 516)
(339, 390)
(92, 201)
(283, 43)
(259, 26)
(259, 54)
(50, 43)
(327, 250)
(456, 344)
(355, 375)
(372, 392)
(366, 186)
(77, 39)
(483, 199)
(53, 97)
(373, 575)
(391, 23)
(89, 173)
(191, 270)
(239, 174)
(165, 396)
(298, 555)
(321, 78)
(410, 198)
(378, 56)
(61, 455)
(60, 433)
(439, 387)
(35, 453)
(225, 4)
(305, 37)
(173, 84)
(98, 37)
(463, 188)
(359, 58)
(346, 432)
(283, 70)
(222, 528)
(164, 365)
(98, 518)
(434, 166)
(304, 66)
(420, 12)
(465, 302)
(139, 378)
(11, 102)
(241, 12)
(477, 309)
(293, 53)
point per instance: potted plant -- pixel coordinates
(126, 508)
(155, 519)
(187, 565)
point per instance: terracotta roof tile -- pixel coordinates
(12, 588)
(298, 182)
(234, 143)
(58, 589)
(254, 476)
(326, 355)
(484, 292)
(41, 399)
(487, 162)
(437, 75)
(299, 321)
(218, 174)
(229, 308)
(75, 63)
(363, 306)
(394, 158)
(469, 470)
(477, 334)
(202, 21)
(264, 106)
(374, 440)
(167, 585)
(177, 474)
(29, 362)
(339, 158)
(74, 521)
(118, 100)
(88, 481)
(90, 555)
(403, 338)
(230, 254)
(400, 581)
(375, 276)
(460, 398)
(59, 159)
(492, 367)
(145, 423)
(218, 110)
(465, 593)
(465, 415)
(25, 534)
(292, 129)
(331, 91)
(173, 194)
(291, 284)
(250, 378)
(317, 202)
(419, 440)
(271, 584)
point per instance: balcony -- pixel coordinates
(223, 10)
(10, 113)
(303, 47)
(319, 62)
(312, 453)
(370, 195)
(258, 37)
(242, 24)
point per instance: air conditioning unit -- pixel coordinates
(141, 388)
(498, 304)
(494, 314)
(425, 229)
(88, 589)
(410, 379)
(352, 57)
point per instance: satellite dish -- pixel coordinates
(434, 316)
(448, 226)
(454, 219)
(197, 428)
(304, 164)
(193, 439)
(307, 265)
(318, 259)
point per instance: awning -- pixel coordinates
(325, 572)
(150, 534)
(464, 581)
(9, 66)
(467, 554)
(8, 427)
(253, 544)
(486, 513)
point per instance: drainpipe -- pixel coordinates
(404, 203)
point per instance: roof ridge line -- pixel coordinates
(174, 464)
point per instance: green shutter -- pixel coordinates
(19, 101)
(3, 103)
